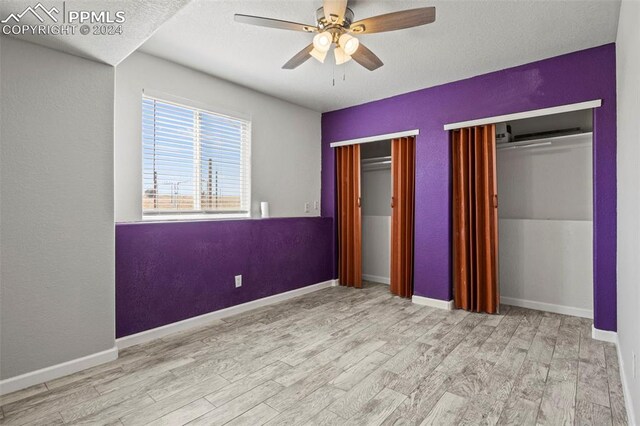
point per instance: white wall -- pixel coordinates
(545, 228)
(285, 144)
(57, 239)
(628, 78)
(548, 262)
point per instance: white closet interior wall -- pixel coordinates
(376, 212)
(545, 217)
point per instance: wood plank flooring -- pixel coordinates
(342, 356)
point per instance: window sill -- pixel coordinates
(192, 218)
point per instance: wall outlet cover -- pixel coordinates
(238, 281)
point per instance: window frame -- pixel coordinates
(197, 215)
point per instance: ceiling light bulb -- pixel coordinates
(349, 43)
(322, 41)
(341, 56)
(319, 55)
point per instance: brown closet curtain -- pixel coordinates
(402, 215)
(475, 219)
(349, 216)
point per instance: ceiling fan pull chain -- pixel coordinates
(334, 75)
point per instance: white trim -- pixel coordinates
(626, 391)
(434, 303)
(189, 217)
(612, 337)
(59, 370)
(604, 335)
(376, 138)
(548, 307)
(165, 330)
(525, 114)
(377, 279)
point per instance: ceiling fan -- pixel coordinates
(335, 25)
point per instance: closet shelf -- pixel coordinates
(542, 142)
(376, 163)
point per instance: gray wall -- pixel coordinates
(56, 181)
(376, 192)
(628, 68)
(285, 143)
(547, 182)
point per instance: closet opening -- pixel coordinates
(545, 214)
(375, 211)
(523, 213)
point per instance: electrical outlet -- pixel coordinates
(633, 364)
(238, 281)
(316, 205)
(306, 207)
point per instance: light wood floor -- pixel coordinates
(343, 356)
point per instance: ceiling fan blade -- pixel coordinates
(367, 58)
(334, 10)
(299, 58)
(395, 21)
(274, 23)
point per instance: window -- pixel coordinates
(195, 162)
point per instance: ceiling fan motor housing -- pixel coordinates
(323, 24)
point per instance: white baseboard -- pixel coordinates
(165, 330)
(377, 279)
(55, 371)
(604, 335)
(548, 307)
(626, 391)
(59, 370)
(434, 303)
(612, 337)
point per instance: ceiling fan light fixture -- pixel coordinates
(349, 43)
(319, 55)
(322, 42)
(341, 55)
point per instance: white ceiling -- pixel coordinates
(142, 18)
(468, 38)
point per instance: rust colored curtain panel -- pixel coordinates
(349, 216)
(402, 215)
(475, 219)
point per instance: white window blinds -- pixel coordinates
(194, 161)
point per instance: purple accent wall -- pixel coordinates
(167, 272)
(581, 76)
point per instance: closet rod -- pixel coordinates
(374, 160)
(531, 145)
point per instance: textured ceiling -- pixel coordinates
(468, 38)
(142, 18)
